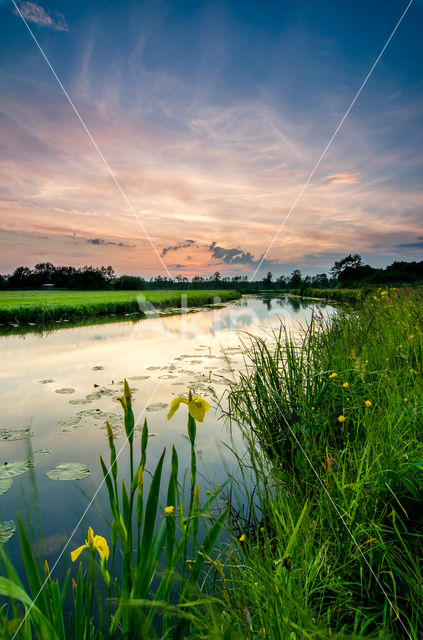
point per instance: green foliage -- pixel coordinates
(335, 295)
(333, 426)
(43, 307)
(160, 588)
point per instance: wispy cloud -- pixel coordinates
(345, 177)
(110, 243)
(38, 15)
(181, 245)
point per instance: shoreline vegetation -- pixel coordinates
(43, 307)
(325, 529)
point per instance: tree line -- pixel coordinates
(350, 272)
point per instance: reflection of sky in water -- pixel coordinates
(189, 350)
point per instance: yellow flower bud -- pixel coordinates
(109, 433)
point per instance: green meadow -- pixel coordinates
(324, 531)
(47, 306)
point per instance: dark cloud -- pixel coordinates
(181, 245)
(100, 241)
(237, 256)
(417, 244)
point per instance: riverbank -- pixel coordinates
(41, 307)
(333, 427)
(333, 295)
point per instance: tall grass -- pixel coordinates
(333, 428)
(335, 295)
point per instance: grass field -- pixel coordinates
(21, 307)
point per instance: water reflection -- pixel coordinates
(162, 357)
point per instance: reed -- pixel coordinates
(332, 423)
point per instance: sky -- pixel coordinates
(208, 119)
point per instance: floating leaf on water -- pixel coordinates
(69, 422)
(69, 471)
(152, 368)
(7, 529)
(157, 406)
(174, 384)
(43, 452)
(5, 484)
(47, 381)
(65, 390)
(16, 468)
(98, 368)
(166, 376)
(18, 434)
(138, 377)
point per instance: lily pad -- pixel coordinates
(152, 368)
(65, 390)
(97, 368)
(157, 406)
(167, 376)
(18, 434)
(138, 377)
(69, 422)
(12, 469)
(69, 471)
(5, 484)
(47, 381)
(7, 529)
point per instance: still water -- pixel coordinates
(63, 385)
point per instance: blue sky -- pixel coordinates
(211, 116)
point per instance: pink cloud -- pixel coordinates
(345, 177)
(35, 13)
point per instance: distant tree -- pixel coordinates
(295, 280)
(282, 282)
(267, 281)
(22, 278)
(44, 273)
(129, 283)
(320, 281)
(349, 261)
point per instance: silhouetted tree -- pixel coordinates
(295, 280)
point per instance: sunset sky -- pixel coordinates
(211, 116)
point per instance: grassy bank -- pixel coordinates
(20, 307)
(334, 429)
(336, 295)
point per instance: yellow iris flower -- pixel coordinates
(196, 406)
(94, 543)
